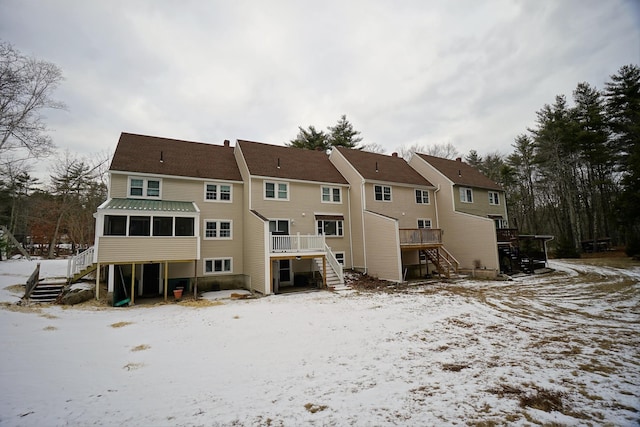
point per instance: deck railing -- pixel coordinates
(420, 236)
(296, 243)
(334, 264)
(506, 234)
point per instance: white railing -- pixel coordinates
(334, 264)
(296, 243)
(80, 262)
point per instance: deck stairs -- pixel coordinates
(335, 276)
(444, 262)
(81, 265)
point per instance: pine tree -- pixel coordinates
(311, 139)
(343, 134)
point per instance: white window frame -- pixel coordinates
(145, 187)
(213, 264)
(425, 221)
(341, 259)
(339, 227)
(494, 198)
(218, 223)
(422, 194)
(466, 194)
(276, 190)
(218, 192)
(332, 194)
(383, 194)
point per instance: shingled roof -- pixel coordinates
(164, 156)
(380, 167)
(282, 162)
(460, 173)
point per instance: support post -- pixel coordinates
(98, 281)
(324, 271)
(166, 279)
(133, 282)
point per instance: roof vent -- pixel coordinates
(458, 159)
(226, 143)
(394, 154)
(161, 157)
(376, 167)
(278, 162)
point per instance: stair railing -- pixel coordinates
(80, 262)
(32, 282)
(333, 262)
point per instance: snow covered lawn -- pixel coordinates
(561, 348)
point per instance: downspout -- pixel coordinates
(435, 202)
(350, 224)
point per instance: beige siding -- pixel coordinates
(480, 205)
(469, 238)
(255, 254)
(118, 186)
(356, 208)
(382, 247)
(304, 202)
(146, 249)
(402, 206)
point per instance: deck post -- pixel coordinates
(133, 282)
(98, 282)
(324, 271)
(166, 279)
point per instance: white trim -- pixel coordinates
(466, 200)
(276, 190)
(383, 194)
(145, 187)
(213, 260)
(218, 223)
(331, 201)
(344, 258)
(218, 192)
(491, 200)
(161, 176)
(424, 220)
(303, 181)
(422, 191)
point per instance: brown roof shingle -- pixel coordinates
(282, 162)
(380, 167)
(164, 156)
(460, 172)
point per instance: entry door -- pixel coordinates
(285, 272)
(150, 279)
(279, 226)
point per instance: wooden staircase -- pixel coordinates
(46, 292)
(333, 280)
(79, 275)
(81, 265)
(444, 262)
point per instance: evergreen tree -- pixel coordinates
(343, 134)
(310, 139)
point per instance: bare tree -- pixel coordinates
(373, 147)
(444, 150)
(26, 88)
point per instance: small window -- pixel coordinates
(218, 265)
(144, 188)
(466, 195)
(276, 191)
(424, 223)
(115, 225)
(217, 229)
(139, 226)
(340, 258)
(162, 226)
(382, 193)
(330, 227)
(331, 194)
(422, 197)
(217, 192)
(494, 198)
(184, 226)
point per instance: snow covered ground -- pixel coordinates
(561, 348)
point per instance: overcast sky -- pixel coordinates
(471, 73)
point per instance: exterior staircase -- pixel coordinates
(444, 262)
(81, 265)
(334, 279)
(46, 292)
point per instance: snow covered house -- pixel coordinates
(266, 217)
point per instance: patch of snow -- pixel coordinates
(225, 294)
(434, 354)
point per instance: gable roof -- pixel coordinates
(164, 156)
(380, 167)
(282, 162)
(460, 173)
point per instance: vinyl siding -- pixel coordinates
(146, 249)
(480, 205)
(254, 253)
(403, 205)
(467, 237)
(383, 247)
(356, 208)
